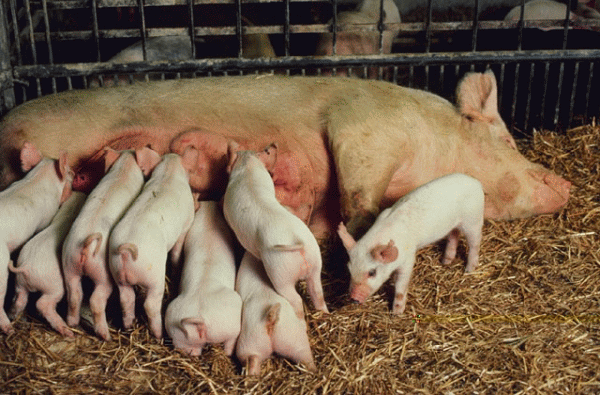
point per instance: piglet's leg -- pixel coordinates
(402, 275)
(451, 245)
(5, 325)
(127, 297)
(315, 290)
(46, 305)
(20, 301)
(152, 306)
(98, 302)
(288, 291)
(473, 235)
(74, 296)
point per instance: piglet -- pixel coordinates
(155, 224)
(208, 309)
(84, 250)
(268, 230)
(28, 206)
(39, 268)
(439, 208)
(269, 322)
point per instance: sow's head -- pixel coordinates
(514, 186)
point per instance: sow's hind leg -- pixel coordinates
(365, 156)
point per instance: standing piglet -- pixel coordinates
(269, 323)
(156, 223)
(38, 266)
(84, 250)
(439, 208)
(208, 309)
(28, 206)
(268, 230)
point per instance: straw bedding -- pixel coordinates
(527, 321)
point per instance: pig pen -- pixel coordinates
(527, 320)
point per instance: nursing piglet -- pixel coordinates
(39, 269)
(28, 206)
(437, 209)
(84, 250)
(207, 310)
(268, 230)
(155, 224)
(269, 323)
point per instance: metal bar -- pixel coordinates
(48, 41)
(588, 90)
(286, 28)
(95, 29)
(520, 26)
(465, 58)
(7, 94)
(514, 98)
(238, 27)
(192, 31)
(546, 74)
(334, 27)
(560, 81)
(475, 26)
(32, 42)
(142, 29)
(573, 93)
(528, 105)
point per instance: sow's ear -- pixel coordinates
(385, 253)
(347, 239)
(30, 156)
(477, 96)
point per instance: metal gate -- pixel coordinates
(546, 77)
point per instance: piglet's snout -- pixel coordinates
(359, 292)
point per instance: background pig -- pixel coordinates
(346, 147)
(269, 323)
(155, 224)
(28, 206)
(437, 209)
(208, 309)
(268, 230)
(362, 43)
(84, 251)
(39, 269)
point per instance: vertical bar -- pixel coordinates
(411, 76)
(33, 46)
(528, 105)
(17, 34)
(334, 27)
(238, 27)
(559, 93)
(192, 28)
(514, 98)
(475, 27)
(501, 82)
(428, 39)
(546, 74)
(7, 93)
(588, 90)
(573, 91)
(286, 28)
(95, 29)
(143, 28)
(520, 26)
(49, 43)
(381, 29)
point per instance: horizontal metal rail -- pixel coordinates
(298, 62)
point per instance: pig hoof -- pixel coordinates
(66, 332)
(8, 329)
(104, 335)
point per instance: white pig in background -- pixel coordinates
(437, 209)
(84, 250)
(269, 323)
(362, 43)
(28, 206)
(550, 10)
(39, 269)
(268, 230)
(207, 310)
(155, 224)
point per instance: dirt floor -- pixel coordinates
(527, 321)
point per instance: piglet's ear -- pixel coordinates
(347, 239)
(232, 149)
(385, 253)
(110, 156)
(147, 159)
(63, 168)
(30, 156)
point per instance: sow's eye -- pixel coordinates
(372, 272)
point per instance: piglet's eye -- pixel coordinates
(372, 272)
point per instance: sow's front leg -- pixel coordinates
(366, 156)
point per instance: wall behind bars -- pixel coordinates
(546, 77)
